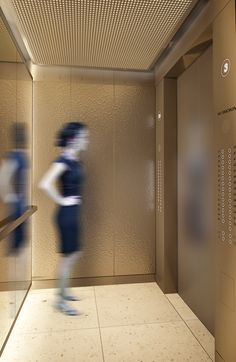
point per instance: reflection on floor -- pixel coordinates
(121, 323)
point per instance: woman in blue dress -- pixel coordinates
(67, 172)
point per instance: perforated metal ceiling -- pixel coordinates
(124, 34)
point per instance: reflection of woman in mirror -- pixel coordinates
(67, 170)
(13, 183)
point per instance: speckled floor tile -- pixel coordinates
(20, 295)
(151, 343)
(137, 321)
(203, 335)
(8, 303)
(184, 311)
(133, 304)
(69, 346)
(7, 313)
(39, 314)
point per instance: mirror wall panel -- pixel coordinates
(15, 178)
(8, 68)
(24, 117)
(7, 291)
(8, 88)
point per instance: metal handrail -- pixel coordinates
(5, 221)
(12, 225)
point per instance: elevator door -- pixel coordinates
(195, 189)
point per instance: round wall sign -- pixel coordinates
(225, 68)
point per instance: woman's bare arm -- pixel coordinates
(48, 184)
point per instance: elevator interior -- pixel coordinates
(187, 88)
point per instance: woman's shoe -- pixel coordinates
(66, 309)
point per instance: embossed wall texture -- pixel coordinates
(119, 193)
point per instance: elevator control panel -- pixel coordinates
(159, 186)
(226, 205)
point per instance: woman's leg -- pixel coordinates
(65, 267)
(64, 274)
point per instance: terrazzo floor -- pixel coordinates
(120, 323)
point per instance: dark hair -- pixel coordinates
(68, 132)
(19, 135)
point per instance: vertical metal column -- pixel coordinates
(224, 55)
(166, 168)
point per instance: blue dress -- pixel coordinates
(68, 217)
(17, 208)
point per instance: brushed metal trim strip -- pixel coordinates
(95, 281)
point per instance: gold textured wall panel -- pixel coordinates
(118, 209)
(134, 140)
(8, 52)
(51, 109)
(93, 103)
